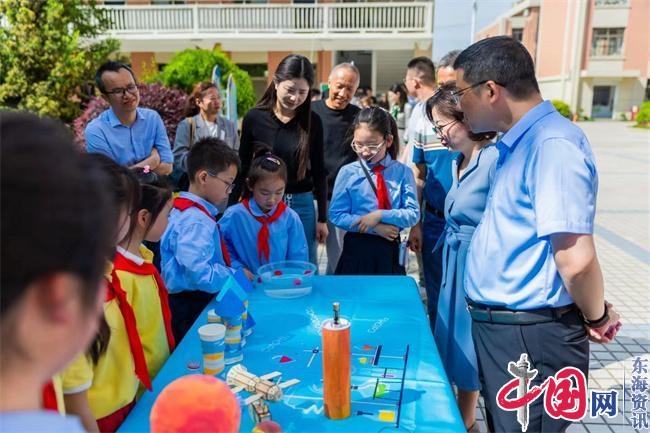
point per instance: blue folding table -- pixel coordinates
(398, 382)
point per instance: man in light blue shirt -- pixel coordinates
(126, 133)
(533, 280)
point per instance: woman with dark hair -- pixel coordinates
(202, 120)
(472, 171)
(399, 108)
(283, 121)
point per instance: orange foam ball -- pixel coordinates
(196, 404)
(267, 427)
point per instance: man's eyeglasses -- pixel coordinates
(373, 148)
(121, 91)
(437, 129)
(229, 186)
(458, 94)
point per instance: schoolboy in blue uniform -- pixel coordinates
(262, 229)
(374, 213)
(195, 262)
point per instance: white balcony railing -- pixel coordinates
(611, 3)
(394, 17)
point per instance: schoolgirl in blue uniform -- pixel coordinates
(262, 228)
(374, 199)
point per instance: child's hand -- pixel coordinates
(249, 275)
(368, 221)
(387, 231)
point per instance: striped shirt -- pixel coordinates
(428, 150)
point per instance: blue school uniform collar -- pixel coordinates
(386, 161)
(208, 206)
(257, 211)
(510, 138)
(114, 121)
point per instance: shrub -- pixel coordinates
(643, 116)
(49, 50)
(562, 107)
(191, 66)
(169, 103)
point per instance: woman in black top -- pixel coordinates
(283, 122)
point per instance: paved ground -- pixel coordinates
(623, 243)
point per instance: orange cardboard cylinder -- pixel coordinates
(336, 368)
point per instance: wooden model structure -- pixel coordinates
(262, 388)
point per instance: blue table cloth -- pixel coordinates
(398, 382)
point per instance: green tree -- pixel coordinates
(49, 53)
(191, 66)
(562, 107)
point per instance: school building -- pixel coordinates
(592, 54)
(381, 37)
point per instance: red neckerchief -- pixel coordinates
(49, 397)
(263, 248)
(124, 264)
(182, 204)
(383, 201)
(115, 290)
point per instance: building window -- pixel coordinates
(518, 34)
(607, 42)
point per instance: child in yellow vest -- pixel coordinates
(102, 386)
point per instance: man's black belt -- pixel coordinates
(432, 210)
(502, 316)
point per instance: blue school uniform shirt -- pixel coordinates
(240, 229)
(39, 421)
(545, 183)
(353, 197)
(190, 250)
(128, 145)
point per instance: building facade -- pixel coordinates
(592, 54)
(381, 37)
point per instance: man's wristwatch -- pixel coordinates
(597, 323)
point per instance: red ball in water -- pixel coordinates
(277, 273)
(196, 403)
(267, 427)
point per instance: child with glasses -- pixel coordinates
(195, 262)
(262, 228)
(374, 198)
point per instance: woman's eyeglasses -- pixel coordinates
(438, 129)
